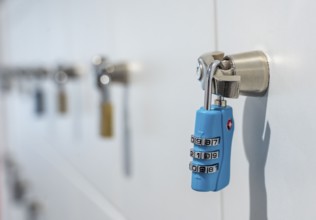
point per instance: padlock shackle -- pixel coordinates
(208, 84)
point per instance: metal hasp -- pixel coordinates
(227, 77)
(108, 73)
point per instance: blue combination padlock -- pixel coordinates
(212, 139)
(226, 76)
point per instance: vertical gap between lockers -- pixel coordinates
(215, 27)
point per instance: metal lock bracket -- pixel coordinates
(239, 74)
(110, 72)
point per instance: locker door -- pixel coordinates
(273, 148)
(165, 37)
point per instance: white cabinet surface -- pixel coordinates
(76, 174)
(164, 38)
(273, 153)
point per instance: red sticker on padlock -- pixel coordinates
(229, 124)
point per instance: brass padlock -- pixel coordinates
(106, 120)
(62, 101)
(106, 111)
(61, 77)
(108, 73)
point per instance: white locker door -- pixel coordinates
(273, 155)
(165, 37)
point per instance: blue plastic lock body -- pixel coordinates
(215, 124)
(39, 102)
